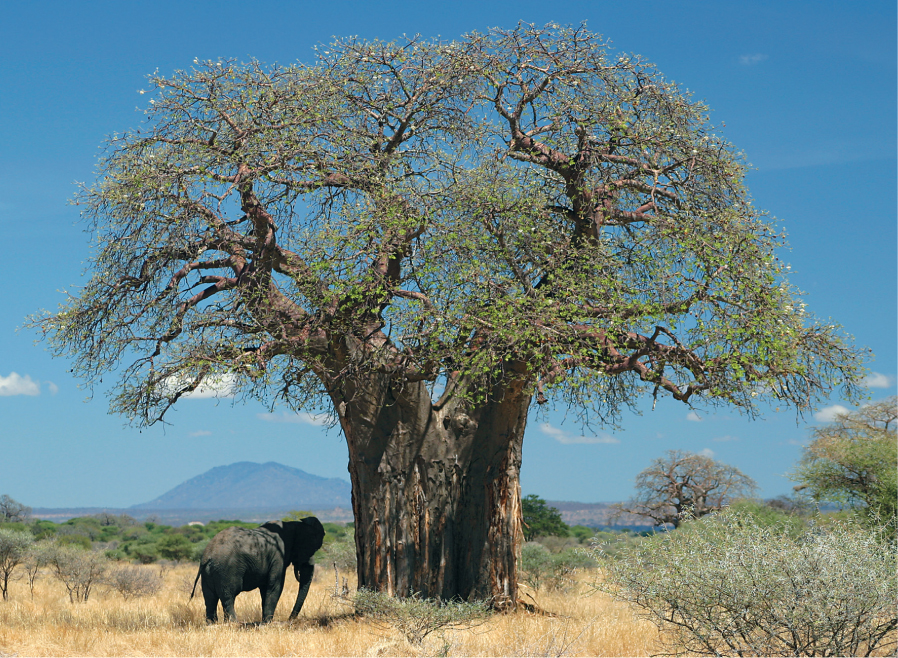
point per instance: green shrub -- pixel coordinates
(174, 547)
(540, 567)
(731, 585)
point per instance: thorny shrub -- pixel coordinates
(415, 617)
(727, 585)
(539, 567)
(78, 569)
(133, 582)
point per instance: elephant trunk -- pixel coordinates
(303, 573)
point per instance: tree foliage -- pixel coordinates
(440, 209)
(540, 520)
(682, 483)
(854, 460)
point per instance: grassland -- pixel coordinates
(576, 624)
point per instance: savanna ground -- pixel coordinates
(575, 623)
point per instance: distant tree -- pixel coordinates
(517, 217)
(13, 550)
(682, 482)
(853, 461)
(540, 520)
(12, 511)
(174, 547)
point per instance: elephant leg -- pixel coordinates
(211, 600)
(227, 604)
(304, 573)
(270, 597)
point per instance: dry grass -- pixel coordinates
(166, 624)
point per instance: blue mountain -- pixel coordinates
(247, 485)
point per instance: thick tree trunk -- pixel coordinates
(435, 491)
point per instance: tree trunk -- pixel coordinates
(435, 491)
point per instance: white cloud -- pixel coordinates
(707, 452)
(201, 433)
(694, 417)
(54, 389)
(214, 386)
(563, 437)
(877, 380)
(751, 60)
(828, 414)
(319, 420)
(726, 437)
(15, 384)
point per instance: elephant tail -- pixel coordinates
(195, 581)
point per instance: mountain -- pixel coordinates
(247, 485)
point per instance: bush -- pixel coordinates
(78, 569)
(174, 547)
(133, 582)
(340, 552)
(416, 618)
(540, 567)
(729, 585)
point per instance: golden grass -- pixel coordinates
(168, 625)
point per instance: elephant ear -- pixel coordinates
(315, 531)
(308, 539)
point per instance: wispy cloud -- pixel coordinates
(878, 380)
(563, 437)
(828, 414)
(15, 384)
(751, 60)
(201, 433)
(304, 418)
(694, 417)
(53, 388)
(725, 438)
(707, 452)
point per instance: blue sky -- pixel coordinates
(806, 89)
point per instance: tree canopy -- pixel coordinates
(446, 210)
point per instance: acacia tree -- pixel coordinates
(854, 461)
(685, 484)
(423, 237)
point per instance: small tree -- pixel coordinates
(540, 520)
(37, 557)
(12, 511)
(728, 585)
(682, 482)
(13, 549)
(853, 461)
(78, 569)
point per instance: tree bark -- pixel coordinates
(435, 490)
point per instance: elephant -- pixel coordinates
(239, 560)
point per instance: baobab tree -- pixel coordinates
(683, 485)
(424, 237)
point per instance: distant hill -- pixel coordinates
(247, 485)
